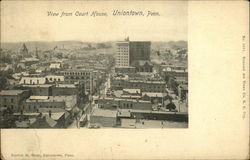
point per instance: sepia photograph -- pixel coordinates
(95, 79)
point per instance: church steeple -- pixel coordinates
(24, 51)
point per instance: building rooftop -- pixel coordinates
(53, 110)
(160, 124)
(54, 115)
(147, 81)
(150, 111)
(54, 76)
(25, 124)
(30, 60)
(130, 96)
(33, 80)
(70, 101)
(78, 70)
(154, 94)
(104, 113)
(37, 85)
(124, 113)
(124, 67)
(66, 86)
(38, 97)
(55, 65)
(51, 122)
(132, 91)
(120, 99)
(11, 92)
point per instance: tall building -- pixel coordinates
(132, 51)
(122, 57)
(139, 50)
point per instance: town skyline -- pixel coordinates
(129, 84)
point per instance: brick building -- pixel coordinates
(114, 103)
(65, 89)
(144, 85)
(13, 98)
(128, 52)
(83, 76)
(34, 103)
(139, 50)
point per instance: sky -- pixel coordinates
(28, 21)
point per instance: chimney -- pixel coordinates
(49, 113)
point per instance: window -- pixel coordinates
(30, 81)
(12, 100)
(5, 100)
(11, 107)
(37, 81)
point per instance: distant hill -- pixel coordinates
(44, 45)
(169, 44)
(79, 44)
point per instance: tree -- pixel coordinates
(173, 85)
(3, 80)
(171, 106)
(5, 59)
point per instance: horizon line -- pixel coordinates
(89, 41)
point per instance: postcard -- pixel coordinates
(124, 80)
